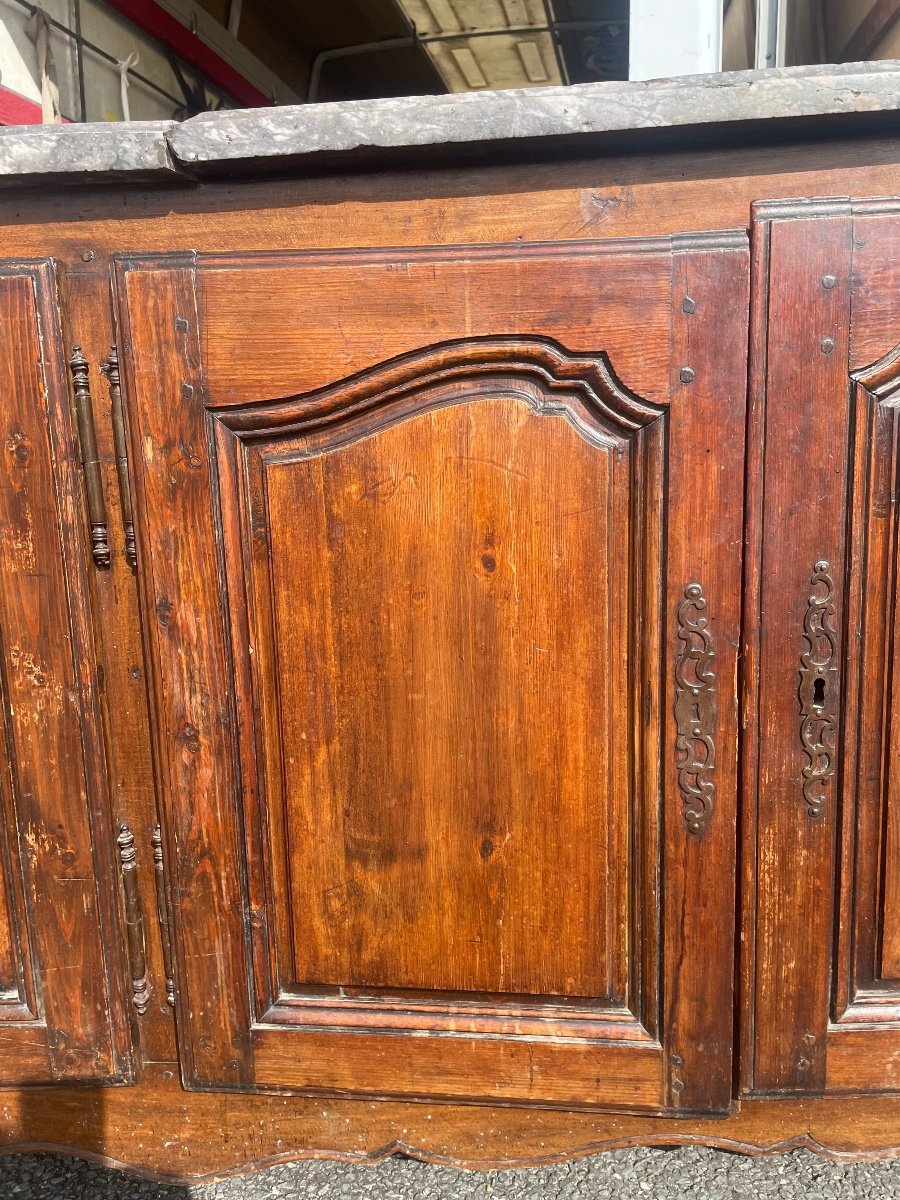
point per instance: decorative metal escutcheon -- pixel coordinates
(695, 710)
(818, 692)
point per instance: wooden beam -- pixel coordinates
(871, 31)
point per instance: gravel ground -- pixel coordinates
(682, 1174)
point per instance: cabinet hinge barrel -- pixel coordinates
(110, 368)
(90, 459)
(163, 913)
(134, 921)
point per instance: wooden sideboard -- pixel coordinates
(447, 629)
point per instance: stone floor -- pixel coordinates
(683, 1174)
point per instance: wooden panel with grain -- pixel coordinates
(89, 319)
(123, 1128)
(798, 600)
(58, 865)
(449, 606)
(707, 417)
(827, 1005)
(869, 934)
(864, 1038)
(447, 664)
(433, 755)
(191, 703)
(311, 329)
(875, 330)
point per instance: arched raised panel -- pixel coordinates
(444, 582)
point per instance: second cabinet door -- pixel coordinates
(823, 686)
(440, 554)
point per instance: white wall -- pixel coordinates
(674, 37)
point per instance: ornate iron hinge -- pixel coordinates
(134, 921)
(163, 913)
(110, 368)
(90, 459)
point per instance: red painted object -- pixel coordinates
(158, 23)
(19, 110)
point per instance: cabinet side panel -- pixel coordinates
(49, 680)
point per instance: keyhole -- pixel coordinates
(818, 694)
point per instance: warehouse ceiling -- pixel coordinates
(353, 49)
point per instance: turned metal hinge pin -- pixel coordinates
(90, 459)
(163, 913)
(134, 921)
(110, 368)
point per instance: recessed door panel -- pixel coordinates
(446, 663)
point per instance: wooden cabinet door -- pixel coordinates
(60, 974)
(440, 556)
(824, 683)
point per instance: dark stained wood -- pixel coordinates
(813, 898)
(451, 560)
(439, 738)
(123, 698)
(310, 332)
(122, 1127)
(190, 702)
(804, 462)
(622, 196)
(58, 861)
(707, 418)
(294, 493)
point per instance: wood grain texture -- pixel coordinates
(191, 708)
(869, 900)
(864, 1060)
(873, 326)
(351, 274)
(59, 865)
(562, 200)
(707, 419)
(450, 707)
(121, 1127)
(445, 738)
(123, 695)
(872, 884)
(311, 328)
(502, 1070)
(807, 431)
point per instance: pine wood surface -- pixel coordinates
(286, 289)
(207, 1135)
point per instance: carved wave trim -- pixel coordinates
(588, 378)
(695, 711)
(752, 1146)
(818, 691)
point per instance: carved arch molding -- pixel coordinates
(582, 386)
